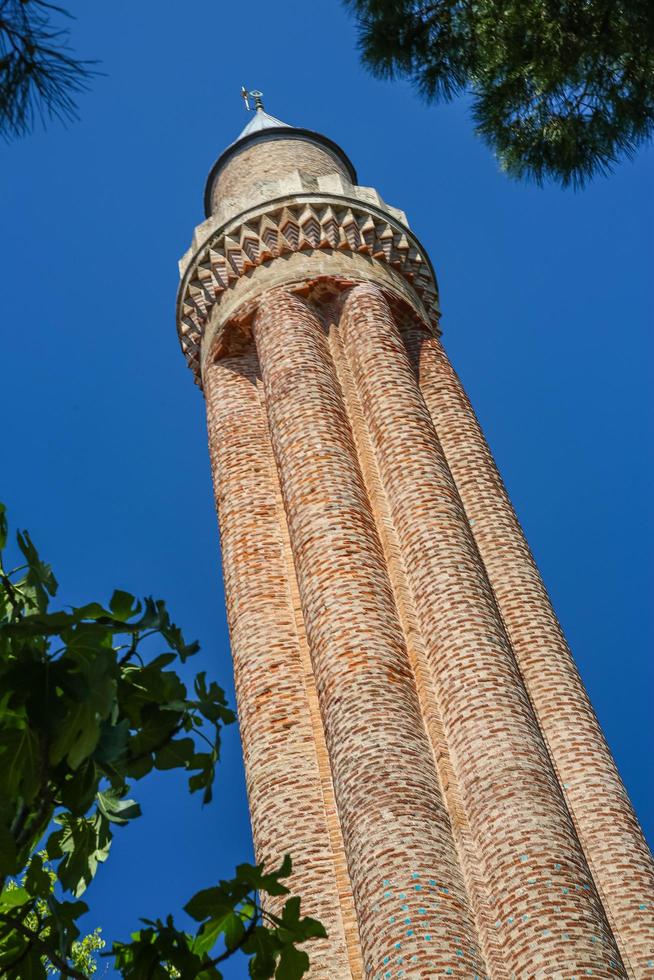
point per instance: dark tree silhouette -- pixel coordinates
(39, 77)
(561, 89)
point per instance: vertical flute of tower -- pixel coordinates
(517, 815)
(473, 874)
(607, 826)
(279, 746)
(395, 826)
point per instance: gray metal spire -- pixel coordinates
(263, 127)
(262, 120)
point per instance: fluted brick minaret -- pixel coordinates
(415, 731)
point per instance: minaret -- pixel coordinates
(415, 731)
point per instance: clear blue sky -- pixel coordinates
(547, 316)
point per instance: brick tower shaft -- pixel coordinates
(415, 731)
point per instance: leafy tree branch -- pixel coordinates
(561, 89)
(82, 721)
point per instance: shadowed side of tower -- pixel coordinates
(414, 730)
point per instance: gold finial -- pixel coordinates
(254, 94)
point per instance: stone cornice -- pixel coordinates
(294, 223)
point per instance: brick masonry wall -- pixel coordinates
(413, 914)
(414, 729)
(476, 886)
(607, 826)
(517, 815)
(354, 583)
(296, 269)
(289, 802)
(269, 161)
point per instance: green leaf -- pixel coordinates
(67, 914)
(123, 605)
(78, 736)
(144, 688)
(174, 636)
(285, 868)
(116, 809)
(62, 930)
(206, 763)
(291, 913)
(20, 764)
(8, 854)
(28, 967)
(212, 703)
(138, 768)
(90, 649)
(38, 880)
(78, 792)
(155, 616)
(40, 624)
(12, 896)
(254, 877)
(293, 964)
(39, 576)
(163, 660)
(207, 937)
(300, 929)
(233, 928)
(82, 844)
(177, 754)
(3, 526)
(12, 947)
(262, 947)
(154, 732)
(206, 903)
(229, 924)
(112, 744)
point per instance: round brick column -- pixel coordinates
(550, 920)
(411, 904)
(608, 829)
(283, 779)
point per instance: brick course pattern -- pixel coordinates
(414, 729)
(279, 747)
(267, 161)
(395, 825)
(513, 802)
(607, 826)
